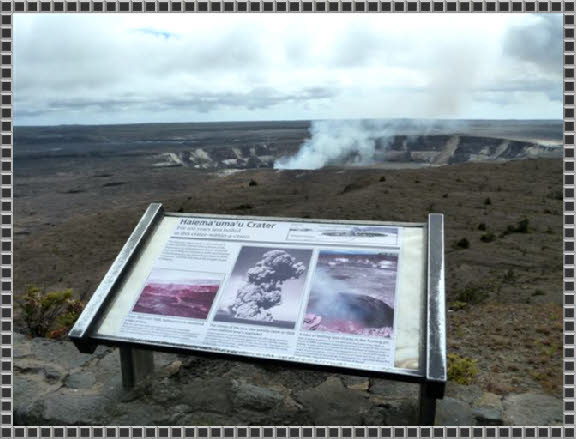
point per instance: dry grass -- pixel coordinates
(518, 346)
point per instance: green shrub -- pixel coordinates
(488, 237)
(555, 195)
(474, 293)
(50, 314)
(487, 202)
(509, 276)
(463, 243)
(461, 370)
(482, 227)
(457, 305)
(520, 227)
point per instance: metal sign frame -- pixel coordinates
(137, 356)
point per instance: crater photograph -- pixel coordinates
(178, 294)
(353, 292)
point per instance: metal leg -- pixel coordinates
(427, 406)
(136, 364)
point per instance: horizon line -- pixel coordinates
(287, 120)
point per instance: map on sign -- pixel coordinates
(297, 291)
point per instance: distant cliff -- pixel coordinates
(432, 149)
(249, 145)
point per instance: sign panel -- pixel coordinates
(300, 291)
(363, 296)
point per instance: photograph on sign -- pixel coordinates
(177, 293)
(266, 287)
(353, 292)
(345, 234)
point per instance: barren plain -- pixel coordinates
(75, 207)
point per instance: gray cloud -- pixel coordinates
(539, 44)
(551, 88)
(86, 67)
(83, 56)
(255, 99)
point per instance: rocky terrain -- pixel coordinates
(504, 285)
(55, 385)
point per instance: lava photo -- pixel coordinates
(178, 294)
(266, 287)
(353, 292)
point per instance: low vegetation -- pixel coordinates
(475, 293)
(509, 276)
(488, 237)
(462, 244)
(457, 305)
(520, 348)
(461, 370)
(555, 195)
(520, 227)
(50, 314)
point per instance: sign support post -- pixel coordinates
(136, 364)
(427, 412)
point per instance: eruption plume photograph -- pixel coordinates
(178, 294)
(353, 292)
(266, 287)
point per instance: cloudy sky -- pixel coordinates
(132, 68)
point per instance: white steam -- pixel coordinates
(452, 75)
(352, 141)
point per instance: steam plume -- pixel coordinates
(452, 77)
(353, 141)
(263, 289)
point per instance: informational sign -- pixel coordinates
(297, 291)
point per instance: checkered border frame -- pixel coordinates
(9, 7)
(6, 391)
